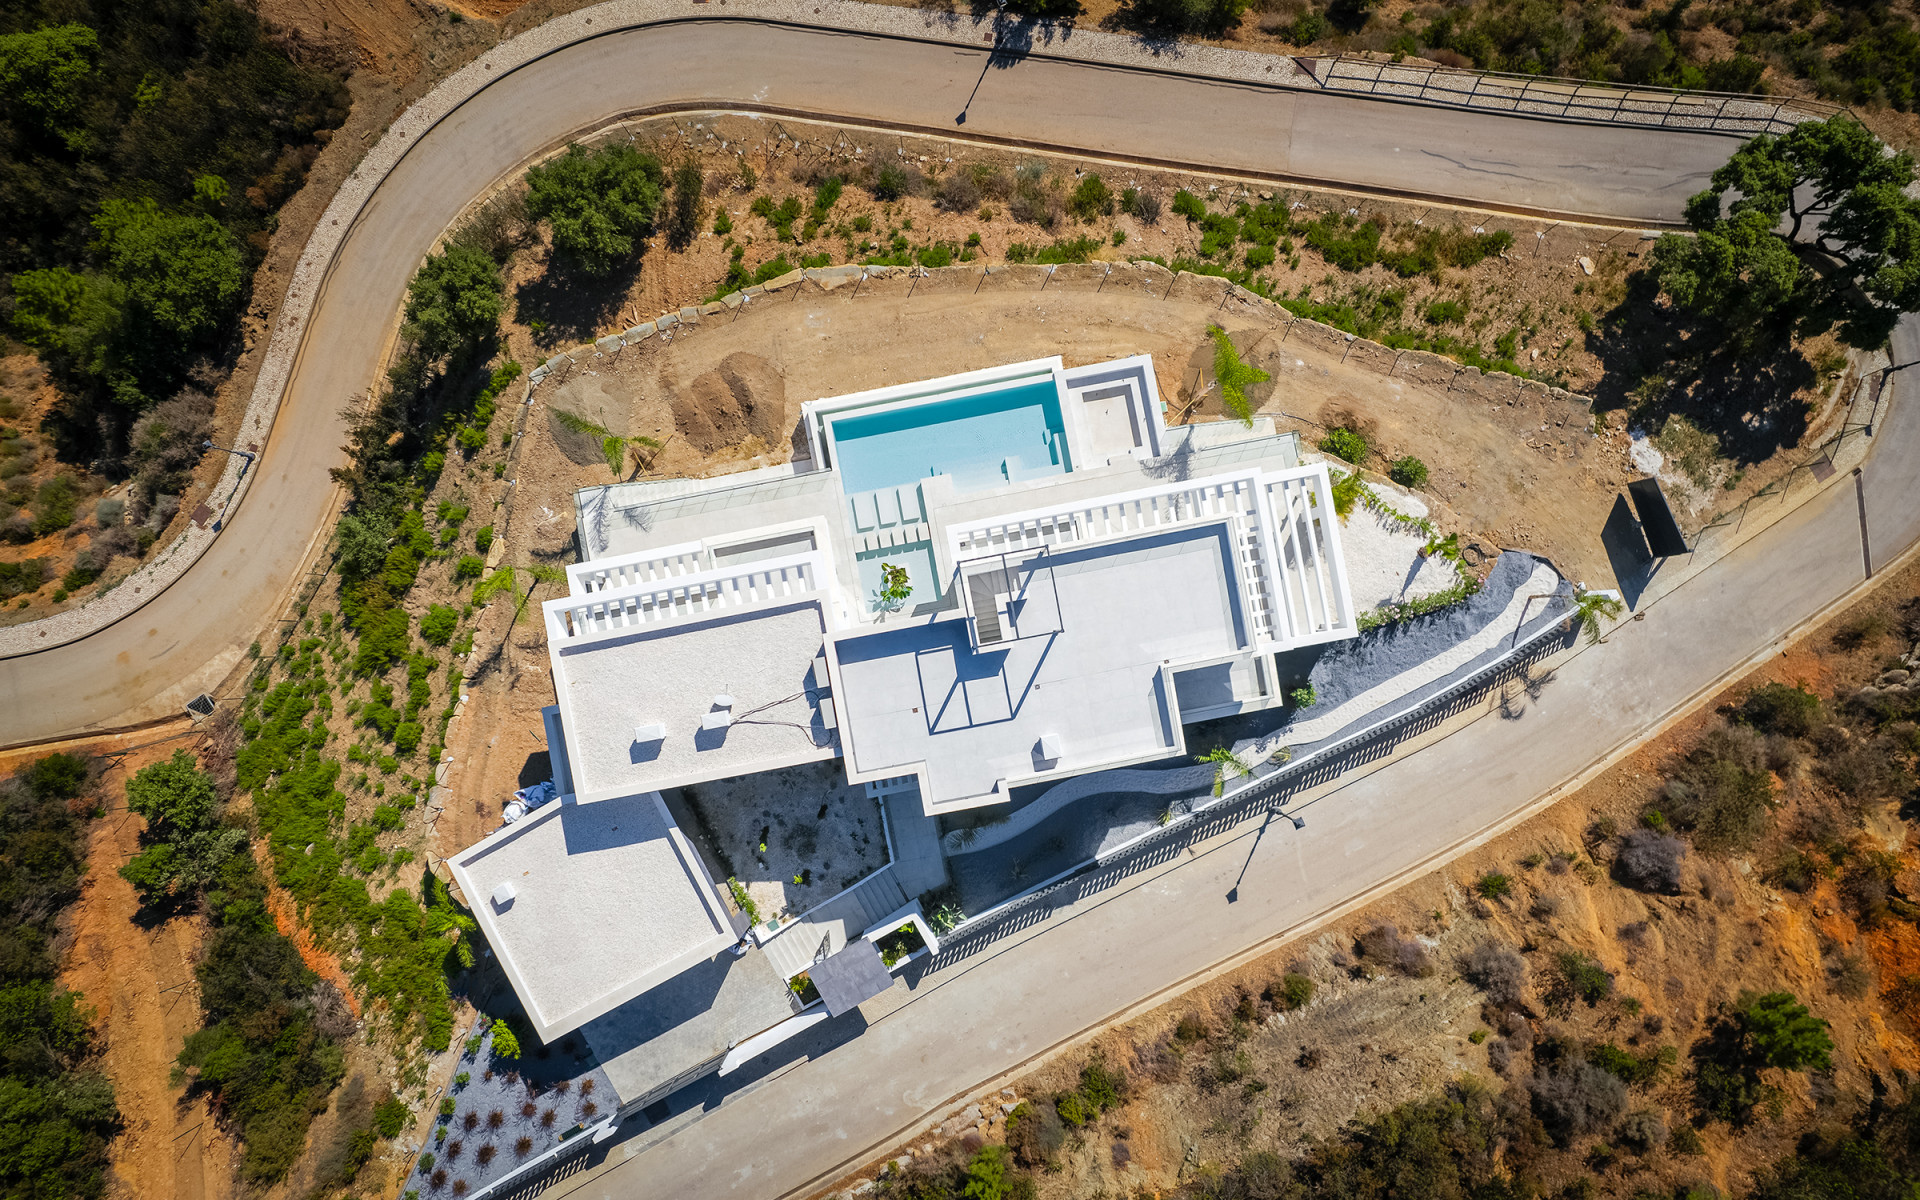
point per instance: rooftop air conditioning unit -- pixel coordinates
(503, 896)
(1050, 747)
(717, 719)
(655, 732)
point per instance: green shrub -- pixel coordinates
(436, 628)
(29, 575)
(55, 505)
(893, 181)
(1190, 206)
(1408, 472)
(1296, 991)
(1304, 697)
(1778, 708)
(1777, 1031)
(58, 1115)
(597, 203)
(1493, 886)
(469, 567)
(1446, 312)
(392, 1115)
(1576, 976)
(1074, 1109)
(78, 577)
(1345, 444)
(1091, 199)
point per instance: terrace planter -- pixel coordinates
(907, 935)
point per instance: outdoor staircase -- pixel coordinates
(827, 928)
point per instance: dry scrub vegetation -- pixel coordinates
(1695, 977)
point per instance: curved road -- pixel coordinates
(189, 636)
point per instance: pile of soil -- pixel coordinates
(743, 397)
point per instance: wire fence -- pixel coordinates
(1566, 99)
(1862, 411)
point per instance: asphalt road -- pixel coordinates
(818, 1103)
(191, 635)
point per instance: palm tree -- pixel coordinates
(1589, 607)
(1226, 765)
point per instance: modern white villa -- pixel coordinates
(973, 584)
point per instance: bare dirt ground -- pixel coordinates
(1498, 473)
(1494, 475)
(1238, 1077)
(139, 979)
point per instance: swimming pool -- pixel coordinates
(983, 441)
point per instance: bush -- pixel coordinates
(1642, 1130)
(1650, 861)
(437, 627)
(895, 180)
(1576, 976)
(55, 505)
(1345, 444)
(958, 192)
(1143, 205)
(1493, 886)
(1577, 1099)
(1777, 1031)
(1498, 970)
(469, 567)
(1091, 199)
(1723, 792)
(1408, 472)
(1384, 947)
(684, 211)
(392, 1115)
(454, 302)
(18, 578)
(597, 203)
(1778, 708)
(1035, 1134)
(174, 795)
(1296, 992)
(505, 1043)
(1073, 1109)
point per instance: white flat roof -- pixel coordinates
(637, 671)
(609, 899)
(1095, 681)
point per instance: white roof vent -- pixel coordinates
(503, 896)
(719, 719)
(655, 732)
(723, 701)
(1050, 747)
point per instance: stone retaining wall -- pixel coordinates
(1555, 406)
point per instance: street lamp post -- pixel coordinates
(247, 466)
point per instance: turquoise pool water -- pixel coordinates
(983, 441)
